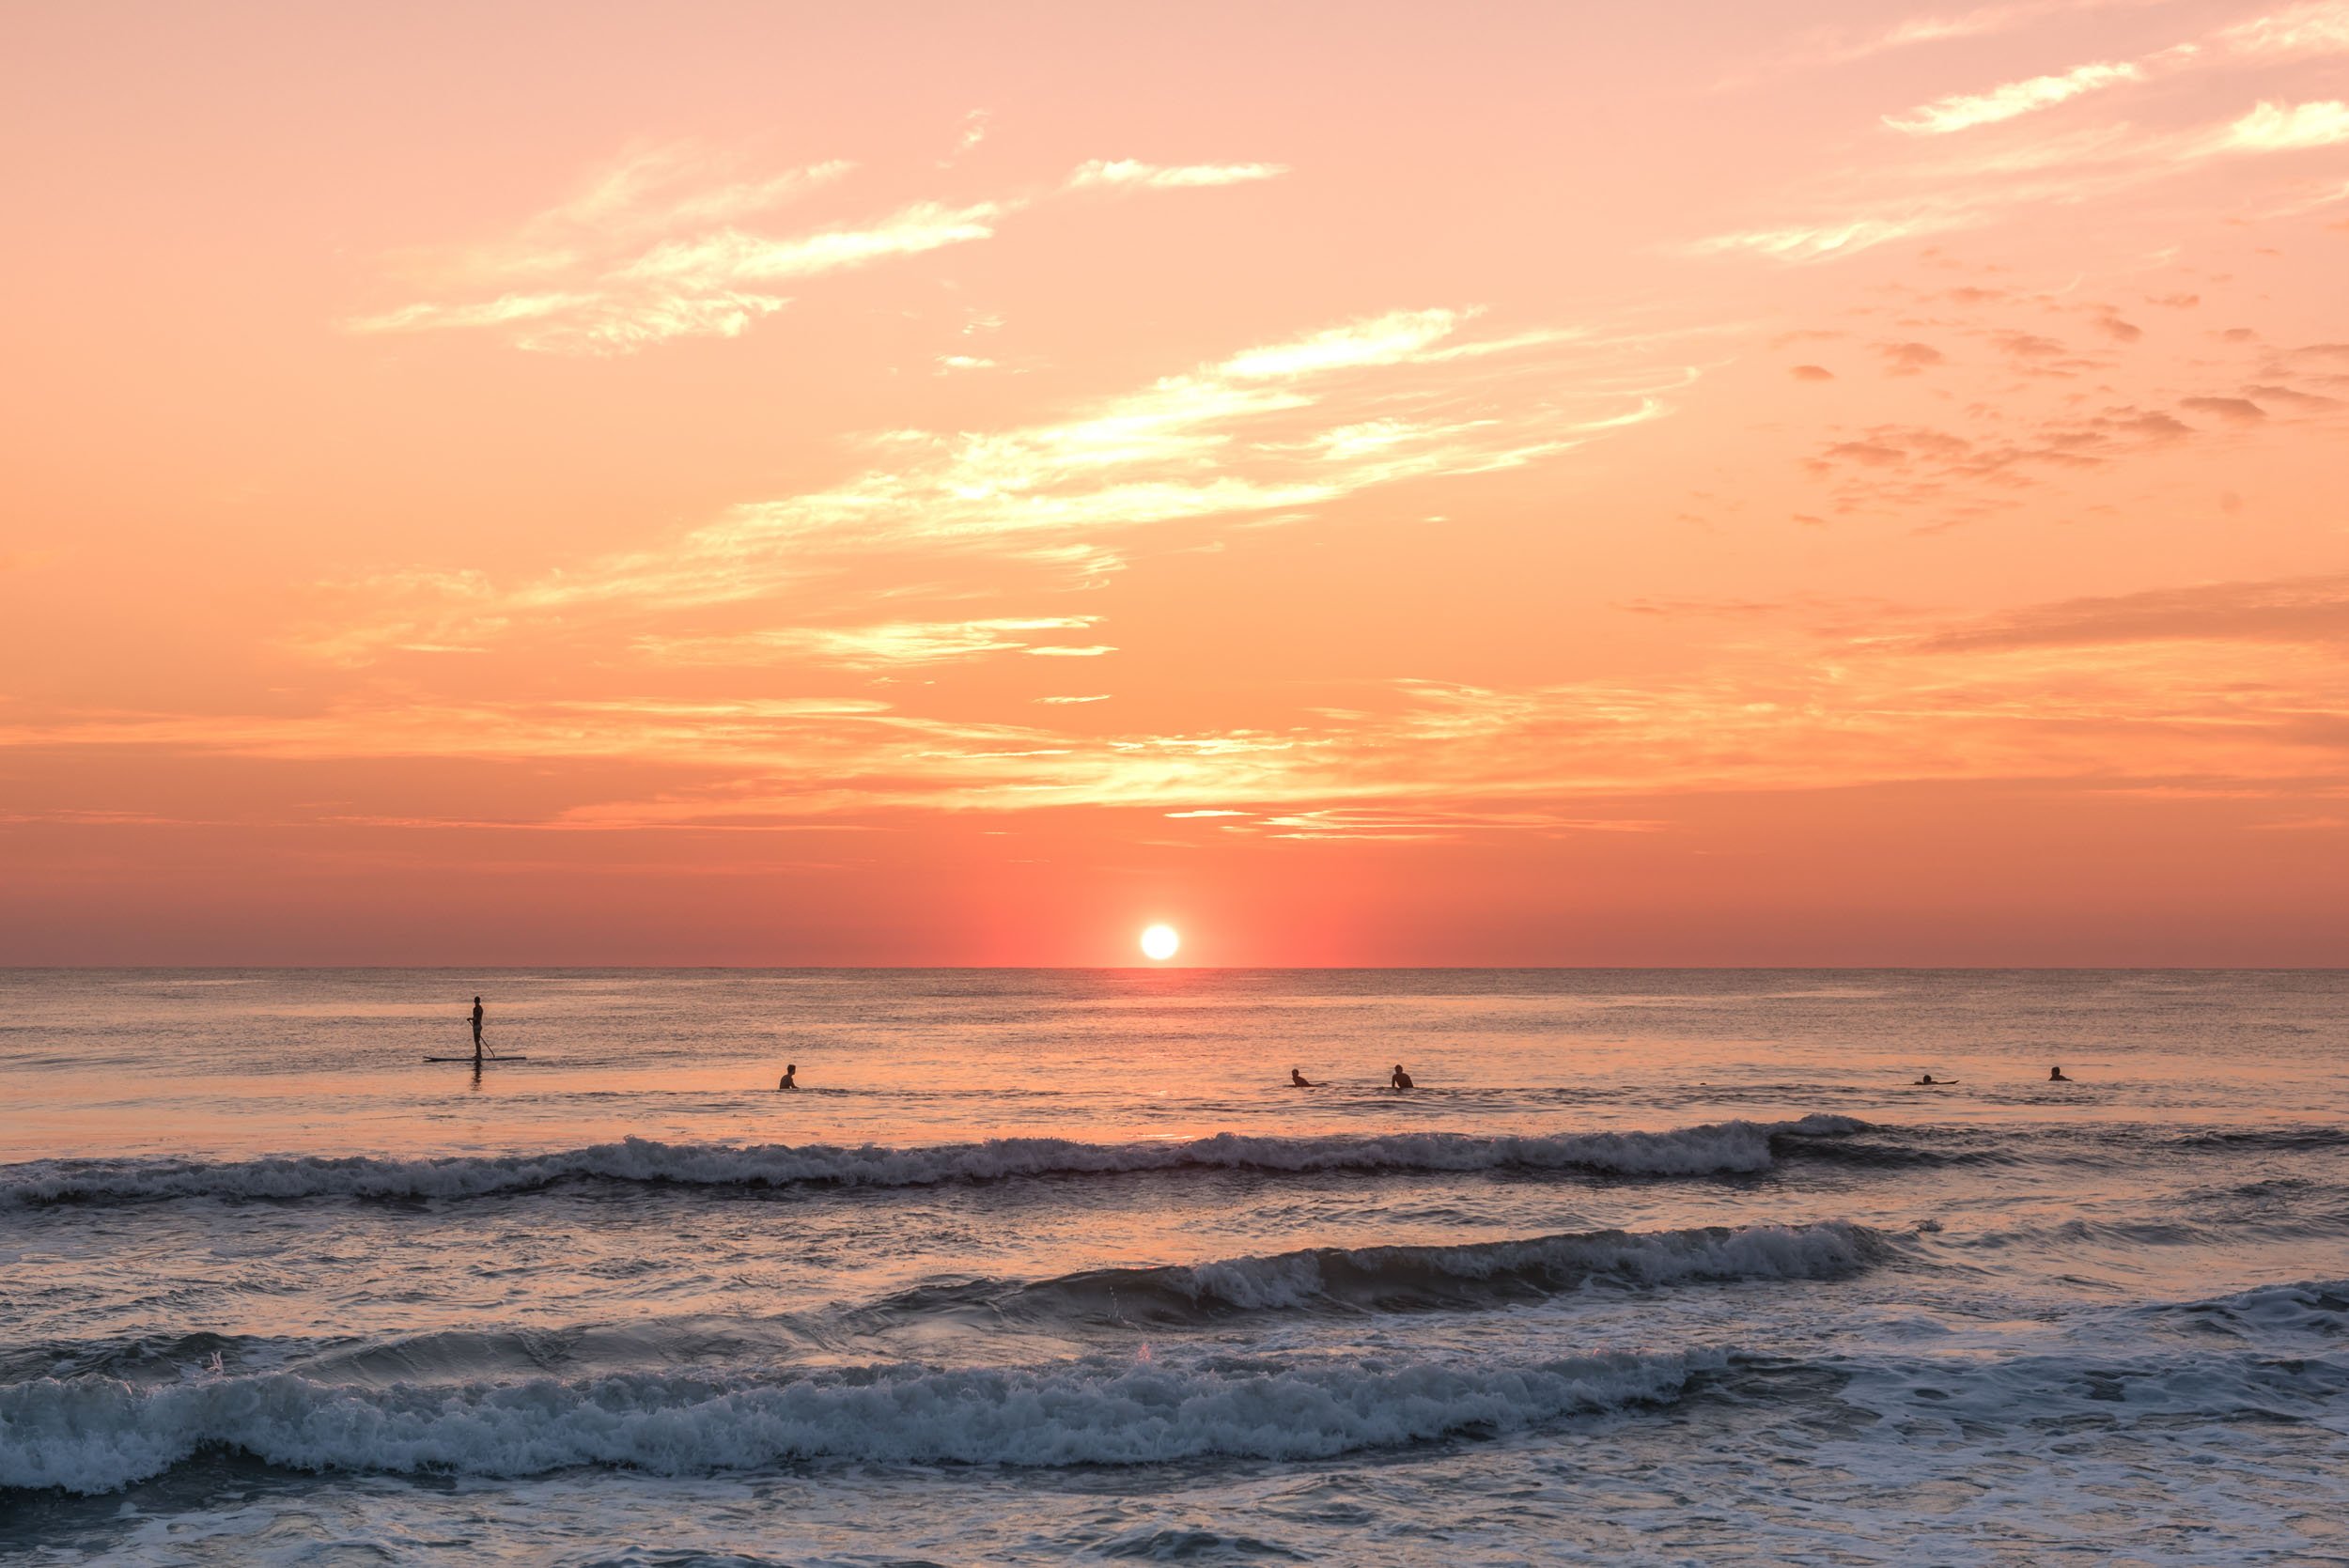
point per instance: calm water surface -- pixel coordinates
(1668, 1266)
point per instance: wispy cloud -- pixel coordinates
(871, 647)
(1879, 200)
(2239, 681)
(1272, 429)
(1965, 111)
(729, 257)
(1915, 201)
(663, 246)
(713, 283)
(1128, 174)
(2285, 128)
(602, 322)
(2307, 610)
(2316, 28)
(563, 282)
(1837, 238)
(972, 132)
(1845, 46)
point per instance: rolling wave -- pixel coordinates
(99, 1436)
(1473, 1274)
(92, 1435)
(1721, 1148)
(2316, 1310)
(1368, 1280)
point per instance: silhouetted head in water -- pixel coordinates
(2055, 1075)
(1926, 1080)
(1399, 1079)
(789, 1078)
(1299, 1080)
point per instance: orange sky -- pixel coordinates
(1699, 483)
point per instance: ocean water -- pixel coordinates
(1035, 1266)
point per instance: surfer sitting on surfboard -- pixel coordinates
(1399, 1079)
(790, 1077)
(1299, 1080)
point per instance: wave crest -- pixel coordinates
(1721, 1148)
(99, 1436)
(1466, 1275)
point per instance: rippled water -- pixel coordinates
(1043, 1266)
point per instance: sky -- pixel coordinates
(1550, 484)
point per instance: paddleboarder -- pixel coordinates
(477, 1032)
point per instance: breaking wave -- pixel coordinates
(98, 1437)
(1364, 1280)
(2317, 1309)
(1467, 1275)
(1721, 1148)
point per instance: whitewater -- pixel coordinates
(1676, 1266)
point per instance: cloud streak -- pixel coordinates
(2316, 28)
(1966, 111)
(1128, 174)
(2238, 680)
(888, 645)
(1272, 429)
(2285, 128)
(658, 248)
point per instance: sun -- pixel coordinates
(1159, 942)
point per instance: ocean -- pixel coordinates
(1671, 1266)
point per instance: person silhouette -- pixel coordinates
(477, 1032)
(2055, 1075)
(790, 1078)
(1399, 1079)
(1299, 1080)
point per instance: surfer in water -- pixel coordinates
(1299, 1080)
(477, 1032)
(2055, 1075)
(1399, 1079)
(790, 1077)
(1929, 1081)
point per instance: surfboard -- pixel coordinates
(485, 1059)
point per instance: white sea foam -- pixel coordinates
(1719, 1148)
(92, 1436)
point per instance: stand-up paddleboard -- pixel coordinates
(486, 1061)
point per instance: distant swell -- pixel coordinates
(1467, 1275)
(1722, 1148)
(97, 1436)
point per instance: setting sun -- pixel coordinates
(1159, 942)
